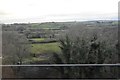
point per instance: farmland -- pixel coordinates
(61, 42)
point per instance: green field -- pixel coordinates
(44, 48)
(46, 25)
(38, 49)
(34, 59)
(38, 39)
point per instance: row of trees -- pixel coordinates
(92, 51)
(14, 50)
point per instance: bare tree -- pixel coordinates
(15, 49)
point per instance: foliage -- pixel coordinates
(80, 51)
(14, 49)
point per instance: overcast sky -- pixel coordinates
(56, 10)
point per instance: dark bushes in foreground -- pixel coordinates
(81, 51)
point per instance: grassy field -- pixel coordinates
(46, 25)
(34, 59)
(44, 48)
(38, 39)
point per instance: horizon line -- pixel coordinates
(59, 21)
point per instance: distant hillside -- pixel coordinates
(46, 25)
(71, 24)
